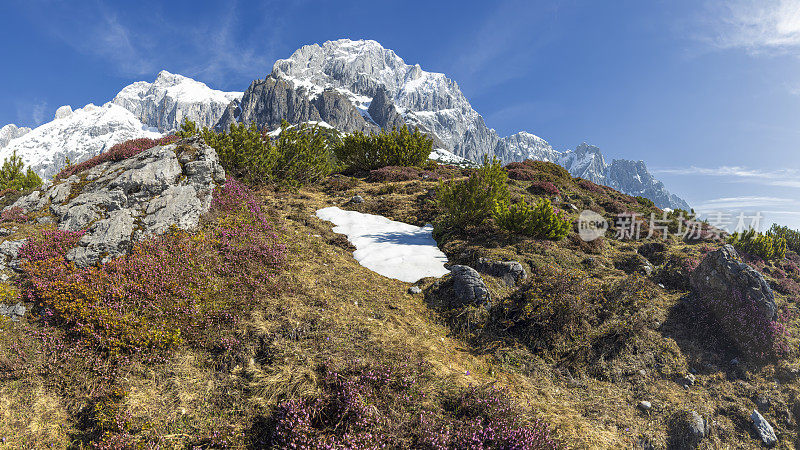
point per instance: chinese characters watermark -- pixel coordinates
(688, 226)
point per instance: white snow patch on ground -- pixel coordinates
(393, 249)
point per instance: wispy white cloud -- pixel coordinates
(757, 26)
(745, 202)
(32, 113)
(215, 49)
(781, 177)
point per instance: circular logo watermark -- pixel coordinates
(591, 225)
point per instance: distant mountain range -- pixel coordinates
(349, 85)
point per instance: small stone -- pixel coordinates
(763, 429)
(642, 372)
(13, 312)
(697, 426)
(413, 290)
(688, 380)
(645, 405)
(357, 199)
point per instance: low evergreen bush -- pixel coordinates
(764, 246)
(537, 220)
(471, 201)
(399, 147)
(792, 237)
(299, 155)
(13, 178)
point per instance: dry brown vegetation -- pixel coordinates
(609, 340)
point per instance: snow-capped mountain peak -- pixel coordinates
(171, 98)
(78, 135)
(142, 109)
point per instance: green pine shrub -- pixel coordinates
(764, 246)
(400, 147)
(644, 201)
(537, 220)
(299, 155)
(792, 237)
(13, 178)
(471, 201)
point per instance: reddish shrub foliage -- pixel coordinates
(367, 406)
(403, 173)
(544, 187)
(119, 152)
(14, 214)
(166, 290)
(591, 187)
(522, 174)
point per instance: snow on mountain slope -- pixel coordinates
(11, 131)
(164, 103)
(77, 135)
(586, 162)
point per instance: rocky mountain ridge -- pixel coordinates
(349, 85)
(387, 92)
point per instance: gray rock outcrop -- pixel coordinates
(13, 312)
(511, 272)
(763, 429)
(468, 286)
(266, 103)
(118, 203)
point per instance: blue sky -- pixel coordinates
(707, 92)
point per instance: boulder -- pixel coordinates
(686, 430)
(468, 286)
(119, 202)
(511, 272)
(763, 429)
(729, 288)
(721, 271)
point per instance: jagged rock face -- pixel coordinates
(633, 178)
(267, 102)
(171, 98)
(383, 112)
(523, 145)
(335, 109)
(369, 75)
(11, 131)
(78, 136)
(118, 203)
(586, 162)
